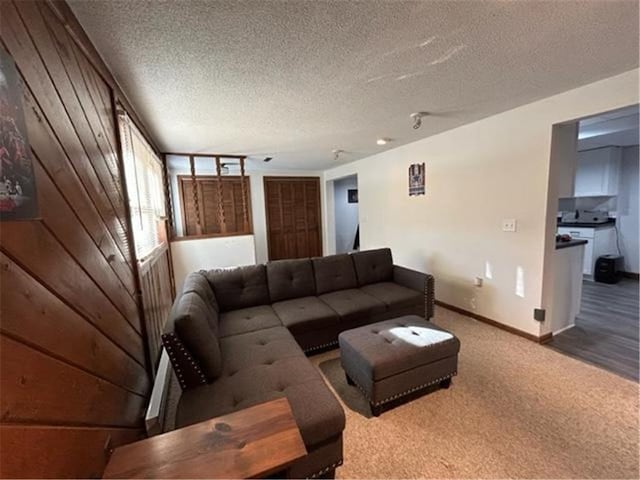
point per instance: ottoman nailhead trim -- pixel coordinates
(406, 392)
(326, 469)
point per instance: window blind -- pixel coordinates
(144, 180)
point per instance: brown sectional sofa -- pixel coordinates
(238, 337)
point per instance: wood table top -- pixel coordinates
(249, 443)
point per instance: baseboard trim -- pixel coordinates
(632, 275)
(543, 339)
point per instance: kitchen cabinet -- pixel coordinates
(598, 172)
(600, 241)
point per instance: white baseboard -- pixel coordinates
(564, 328)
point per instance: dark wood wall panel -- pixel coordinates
(74, 362)
(74, 442)
(18, 42)
(157, 295)
(31, 313)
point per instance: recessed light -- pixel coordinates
(383, 141)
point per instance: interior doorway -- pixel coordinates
(294, 226)
(347, 226)
(594, 266)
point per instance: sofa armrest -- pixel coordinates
(187, 369)
(421, 282)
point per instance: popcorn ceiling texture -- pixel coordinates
(295, 80)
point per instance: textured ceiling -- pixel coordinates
(295, 79)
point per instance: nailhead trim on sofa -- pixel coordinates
(320, 347)
(187, 369)
(429, 297)
(326, 469)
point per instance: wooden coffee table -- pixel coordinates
(254, 442)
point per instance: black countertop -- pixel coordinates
(609, 223)
(570, 243)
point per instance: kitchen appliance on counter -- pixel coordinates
(585, 216)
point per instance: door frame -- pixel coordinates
(265, 180)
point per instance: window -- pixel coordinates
(232, 216)
(144, 179)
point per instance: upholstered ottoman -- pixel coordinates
(388, 360)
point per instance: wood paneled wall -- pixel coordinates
(74, 376)
(157, 297)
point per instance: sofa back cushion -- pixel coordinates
(334, 272)
(240, 288)
(373, 266)
(197, 282)
(290, 279)
(192, 322)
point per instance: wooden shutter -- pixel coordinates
(209, 205)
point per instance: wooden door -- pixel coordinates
(293, 217)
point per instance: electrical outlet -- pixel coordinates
(509, 225)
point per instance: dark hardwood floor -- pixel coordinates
(606, 331)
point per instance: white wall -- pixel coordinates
(628, 213)
(477, 175)
(219, 257)
(345, 214)
(209, 253)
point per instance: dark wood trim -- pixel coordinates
(632, 275)
(208, 155)
(209, 235)
(266, 179)
(543, 339)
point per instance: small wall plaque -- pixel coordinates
(417, 175)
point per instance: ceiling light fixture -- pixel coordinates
(417, 119)
(336, 154)
(383, 141)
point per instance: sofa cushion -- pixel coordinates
(394, 295)
(247, 320)
(262, 366)
(240, 288)
(373, 266)
(334, 272)
(353, 305)
(197, 282)
(290, 279)
(303, 314)
(192, 323)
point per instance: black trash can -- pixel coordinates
(609, 269)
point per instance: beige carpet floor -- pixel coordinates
(515, 410)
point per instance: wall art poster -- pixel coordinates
(18, 199)
(417, 174)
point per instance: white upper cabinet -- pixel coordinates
(598, 172)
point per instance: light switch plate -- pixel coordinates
(509, 225)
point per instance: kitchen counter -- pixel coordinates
(570, 243)
(609, 223)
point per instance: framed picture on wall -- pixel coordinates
(417, 174)
(18, 199)
(352, 195)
